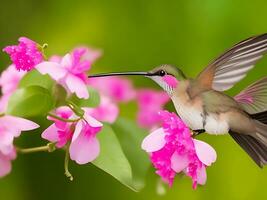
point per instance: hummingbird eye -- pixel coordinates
(162, 73)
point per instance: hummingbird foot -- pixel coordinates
(197, 132)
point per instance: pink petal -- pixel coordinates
(8, 151)
(90, 120)
(9, 79)
(77, 86)
(12, 154)
(5, 165)
(53, 69)
(27, 41)
(89, 54)
(107, 111)
(178, 162)
(51, 133)
(205, 152)
(17, 123)
(154, 141)
(78, 130)
(84, 149)
(55, 58)
(150, 102)
(6, 138)
(66, 61)
(202, 176)
(4, 102)
(118, 89)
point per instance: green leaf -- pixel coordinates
(92, 101)
(112, 160)
(130, 137)
(35, 78)
(59, 93)
(30, 101)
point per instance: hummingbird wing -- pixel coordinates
(253, 99)
(233, 65)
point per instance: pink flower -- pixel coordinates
(112, 91)
(25, 55)
(84, 146)
(5, 162)
(173, 150)
(70, 71)
(55, 58)
(150, 102)
(9, 81)
(107, 111)
(88, 54)
(10, 128)
(118, 89)
(85, 53)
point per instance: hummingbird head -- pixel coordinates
(166, 76)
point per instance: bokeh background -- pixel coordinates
(136, 35)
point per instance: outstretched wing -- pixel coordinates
(253, 99)
(233, 65)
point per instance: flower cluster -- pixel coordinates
(76, 122)
(79, 132)
(173, 150)
(74, 132)
(150, 102)
(25, 55)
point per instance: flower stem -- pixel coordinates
(76, 109)
(44, 46)
(66, 164)
(62, 119)
(50, 147)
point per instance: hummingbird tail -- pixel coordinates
(261, 132)
(256, 145)
(261, 116)
(254, 148)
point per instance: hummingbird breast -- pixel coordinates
(192, 111)
(190, 114)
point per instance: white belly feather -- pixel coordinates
(214, 124)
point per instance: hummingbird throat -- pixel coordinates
(166, 85)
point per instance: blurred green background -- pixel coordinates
(135, 35)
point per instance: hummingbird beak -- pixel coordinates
(121, 74)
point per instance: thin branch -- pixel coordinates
(62, 119)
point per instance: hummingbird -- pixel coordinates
(202, 104)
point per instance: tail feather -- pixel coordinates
(256, 144)
(255, 149)
(261, 132)
(262, 117)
